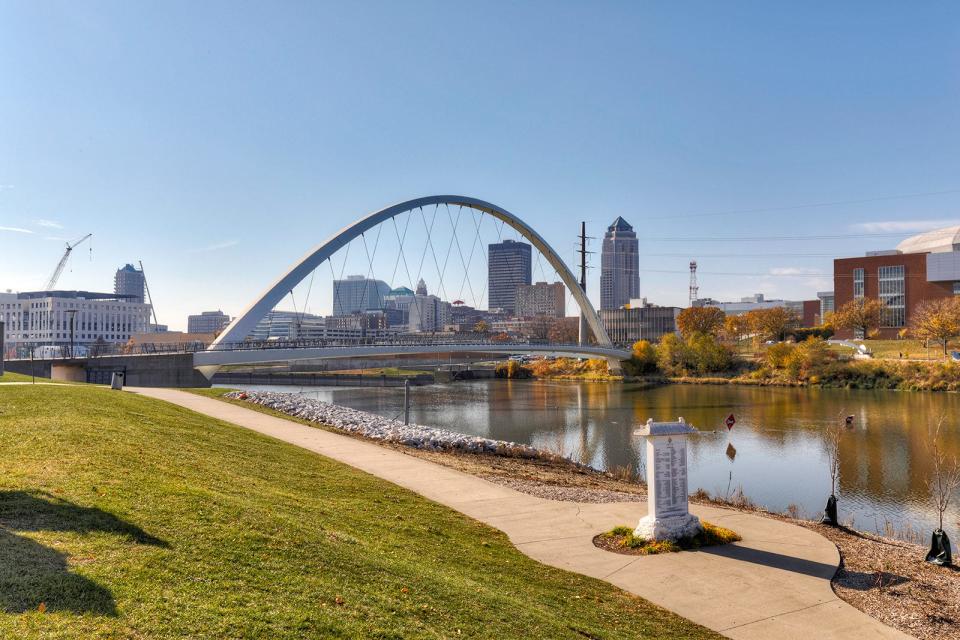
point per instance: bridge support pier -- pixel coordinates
(613, 364)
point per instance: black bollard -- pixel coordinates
(830, 512)
(939, 548)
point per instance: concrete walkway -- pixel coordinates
(773, 584)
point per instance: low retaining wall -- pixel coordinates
(160, 370)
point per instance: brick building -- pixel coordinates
(924, 267)
(541, 299)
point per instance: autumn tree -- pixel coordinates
(540, 327)
(937, 320)
(707, 320)
(643, 357)
(859, 315)
(772, 323)
(564, 331)
(481, 327)
(735, 328)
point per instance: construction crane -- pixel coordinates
(63, 262)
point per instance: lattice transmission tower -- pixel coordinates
(694, 289)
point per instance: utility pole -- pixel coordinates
(73, 316)
(406, 401)
(582, 328)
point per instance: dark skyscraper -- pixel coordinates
(128, 281)
(619, 265)
(509, 265)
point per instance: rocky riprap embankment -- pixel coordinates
(371, 425)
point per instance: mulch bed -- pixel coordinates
(889, 580)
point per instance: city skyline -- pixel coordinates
(834, 129)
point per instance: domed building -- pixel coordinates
(923, 267)
(937, 241)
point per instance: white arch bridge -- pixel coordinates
(230, 347)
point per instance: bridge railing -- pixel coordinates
(47, 351)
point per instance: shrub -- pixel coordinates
(673, 355)
(809, 358)
(700, 353)
(778, 354)
(802, 333)
(644, 358)
(708, 355)
(512, 369)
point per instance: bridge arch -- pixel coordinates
(244, 324)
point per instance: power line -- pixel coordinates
(846, 236)
(686, 254)
(812, 205)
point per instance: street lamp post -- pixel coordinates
(73, 316)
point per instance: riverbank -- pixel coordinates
(856, 374)
(883, 577)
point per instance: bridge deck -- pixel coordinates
(216, 358)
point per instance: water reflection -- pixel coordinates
(776, 451)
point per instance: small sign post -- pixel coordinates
(730, 421)
(668, 516)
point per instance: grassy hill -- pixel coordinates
(121, 516)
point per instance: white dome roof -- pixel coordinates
(936, 241)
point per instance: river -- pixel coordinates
(776, 451)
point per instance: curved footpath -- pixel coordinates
(773, 584)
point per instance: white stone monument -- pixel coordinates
(668, 517)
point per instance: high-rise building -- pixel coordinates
(421, 288)
(129, 281)
(207, 322)
(509, 265)
(428, 313)
(541, 299)
(619, 265)
(358, 294)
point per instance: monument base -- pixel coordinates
(685, 526)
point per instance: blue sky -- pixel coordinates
(218, 141)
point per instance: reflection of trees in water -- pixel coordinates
(883, 456)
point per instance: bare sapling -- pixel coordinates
(833, 436)
(943, 482)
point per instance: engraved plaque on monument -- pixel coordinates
(667, 516)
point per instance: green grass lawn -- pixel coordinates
(910, 348)
(9, 376)
(126, 517)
